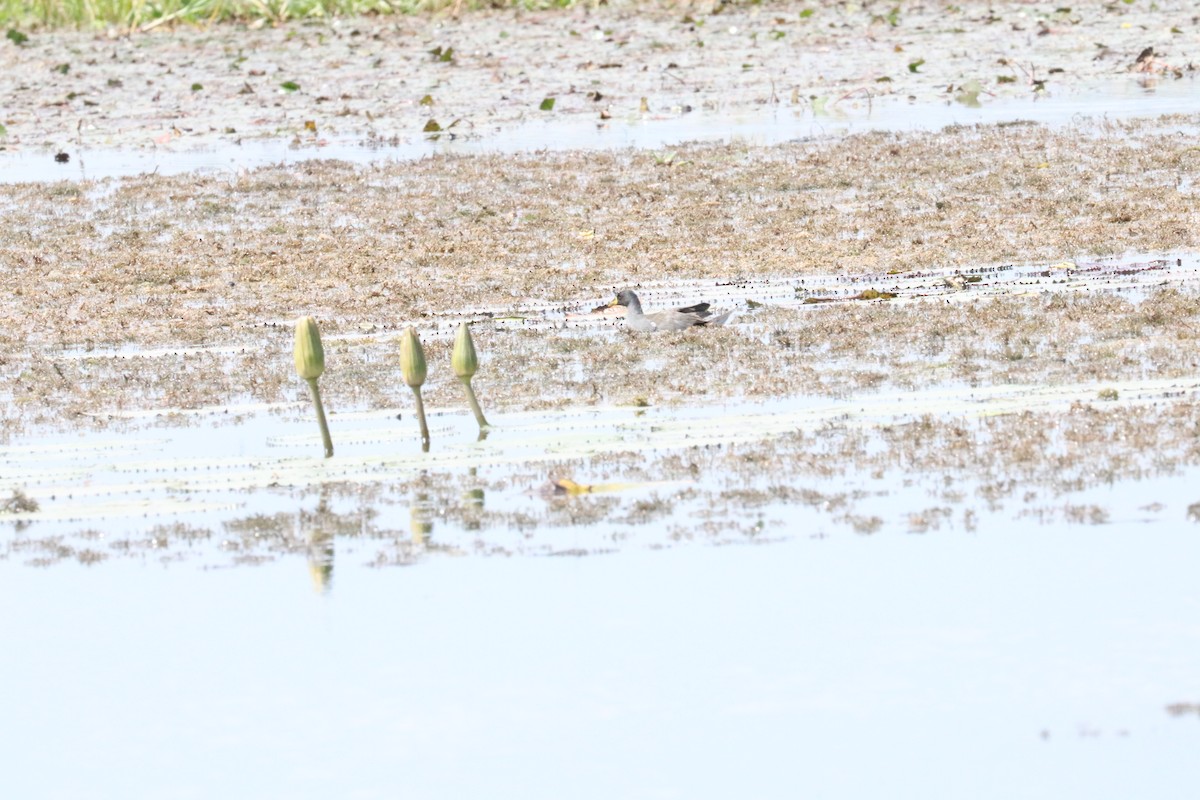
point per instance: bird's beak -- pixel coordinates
(616, 301)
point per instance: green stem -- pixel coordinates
(483, 423)
(421, 419)
(316, 393)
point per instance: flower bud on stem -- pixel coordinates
(309, 356)
(412, 366)
(465, 362)
(421, 419)
(325, 438)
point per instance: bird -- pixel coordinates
(675, 319)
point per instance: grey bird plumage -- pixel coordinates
(674, 319)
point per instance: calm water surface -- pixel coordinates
(1121, 99)
(1032, 661)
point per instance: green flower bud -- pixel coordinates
(412, 358)
(464, 360)
(310, 356)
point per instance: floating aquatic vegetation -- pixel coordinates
(18, 503)
(412, 366)
(566, 486)
(968, 94)
(310, 364)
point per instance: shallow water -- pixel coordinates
(1125, 98)
(728, 644)
(208, 466)
(1018, 660)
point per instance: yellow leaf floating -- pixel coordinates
(874, 294)
(566, 486)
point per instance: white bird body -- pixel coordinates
(674, 319)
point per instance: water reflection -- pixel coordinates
(320, 561)
(473, 507)
(420, 520)
(319, 529)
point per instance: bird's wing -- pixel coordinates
(717, 320)
(676, 320)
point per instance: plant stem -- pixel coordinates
(316, 394)
(483, 423)
(421, 419)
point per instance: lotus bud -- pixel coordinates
(464, 360)
(310, 363)
(412, 366)
(310, 356)
(412, 358)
